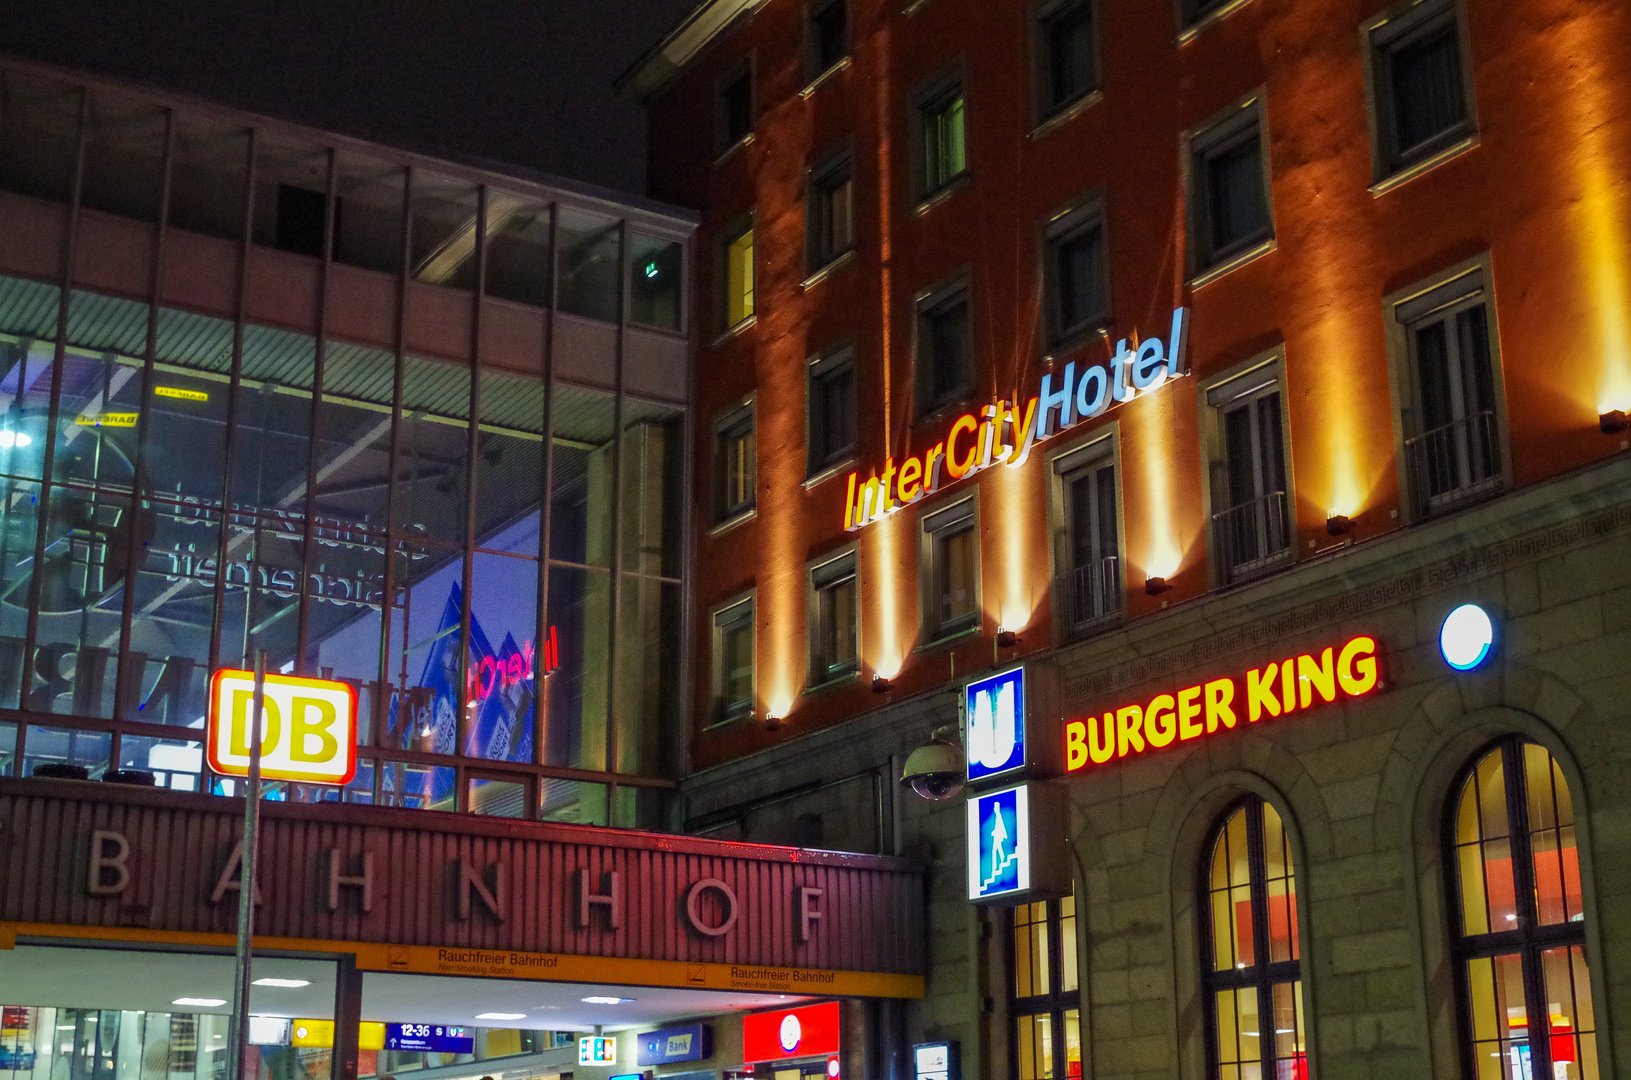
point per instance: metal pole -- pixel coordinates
(238, 1037)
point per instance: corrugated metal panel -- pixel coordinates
(871, 907)
(27, 308)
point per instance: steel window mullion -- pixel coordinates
(614, 623)
(42, 517)
(308, 540)
(462, 718)
(542, 623)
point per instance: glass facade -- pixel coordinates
(489, 555)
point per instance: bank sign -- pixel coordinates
(1005, 435)
(308, 727)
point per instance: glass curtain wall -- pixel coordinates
(491, 557)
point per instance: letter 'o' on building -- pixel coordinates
(1466, 637)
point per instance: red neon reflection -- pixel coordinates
(493, 674)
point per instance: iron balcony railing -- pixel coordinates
(1454, 463)
(1252, 538)
(1090, 594)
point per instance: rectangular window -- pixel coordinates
(1420, 91)
(735, 107)
(1251, 519)
(828, 35)
(734, 465)
(943, 138)
(945, 361)
(1066, 64)
(1077, 273)
(830, 211)
(831, 408)
(737, 276)
(833, 619)
(950, 559)
(1452, 417)
(1229, 212)
(733, 660)
(1044, 992)
(1088, 550)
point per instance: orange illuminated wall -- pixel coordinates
(1543, 192)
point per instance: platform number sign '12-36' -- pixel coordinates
(308, 727)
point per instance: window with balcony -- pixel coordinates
(1251, 503)
(1251, 970)
(829, 212)
(1421, 95)
(1067, 64)
(1229, 214)
(735, 465)
(1088, 591)
(1520, 921)
(1452, 409)
(828, 35)
(733, 660)
(834, 619)
(949, 563)
(945, 355)
(1044, 988)
(1076, 273)
(830, 404)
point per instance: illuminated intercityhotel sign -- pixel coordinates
(1005, 435)
(1206, 709)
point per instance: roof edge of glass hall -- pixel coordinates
(640, 209)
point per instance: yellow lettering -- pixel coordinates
(1356, 667)
(1220, 695)
(908, 482)
(1075, 745)
(243, 705)
(1159, 721)
(1260, 693)
(301, 729)
(1189, 712)
(1288, 685)
(954, 468)
(1101, 751)
(933, 458)
(1312, 676)
(1128, 723)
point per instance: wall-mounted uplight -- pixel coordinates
(1338, 524)
(1007, 639)
(774, 722)
(1613, 422)
(881, 685)
(1466, 637)
(1155, 586)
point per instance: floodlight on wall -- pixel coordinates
(1338, 524)
(881, 685)
(1155, 586)
(774, 722)
(1007, 639)
(1613, 422)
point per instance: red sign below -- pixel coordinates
(791, 1033)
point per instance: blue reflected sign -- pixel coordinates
(999, 843)
(995, 707)
(429, 1038)
(693, 1042)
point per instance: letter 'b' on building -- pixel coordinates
(308, 727)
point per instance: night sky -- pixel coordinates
(510, 80)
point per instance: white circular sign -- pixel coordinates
(791, 1032)
(832, 1068)
(1466, 637)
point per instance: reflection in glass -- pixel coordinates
(589, 266)
(176, 764)
(575, 801)
(444, 230)
(518, 263)
(368, 214)
(417, 787)
(497, 798)
(654, 282)
(67, 746)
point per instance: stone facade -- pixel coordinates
(1362, 786)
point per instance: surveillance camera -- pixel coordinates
(934, 771)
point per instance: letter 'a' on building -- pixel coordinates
(308, 727)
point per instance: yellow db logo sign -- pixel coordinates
(308, 729)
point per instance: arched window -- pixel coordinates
(1044, 993)
(1520, 946)
(1254, 995)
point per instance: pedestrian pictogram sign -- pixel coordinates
(308, 729)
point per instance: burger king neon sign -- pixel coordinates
(1005, 435)
(1276, 689)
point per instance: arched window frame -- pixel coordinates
(1264, 973)
(1528, 938)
